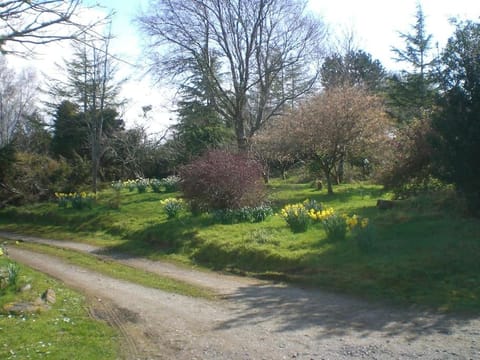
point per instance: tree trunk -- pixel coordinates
(95, 163)
(340, 170)
(328, 176)
(242, 144)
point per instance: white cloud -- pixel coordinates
(377, 23)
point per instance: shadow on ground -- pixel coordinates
(294, 309)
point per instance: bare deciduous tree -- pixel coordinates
(36, 22)
(258, 44)
(340, 123)
(276, 147)
(17, 94)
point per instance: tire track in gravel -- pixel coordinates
(223, 285)
(115, 317)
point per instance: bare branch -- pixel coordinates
(40, 22)
(258, 43)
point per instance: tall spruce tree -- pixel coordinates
(200, 127)
(412, 91)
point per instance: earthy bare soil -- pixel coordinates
(255, 319)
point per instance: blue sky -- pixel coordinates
(376, 23)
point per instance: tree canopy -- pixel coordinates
(257, 43)
(458, 120)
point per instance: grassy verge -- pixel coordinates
(423, 252)
(64, 332)
(121, 271)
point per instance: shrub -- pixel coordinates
(220, 180)
(407, 167)
(172, 207)
(31, 177)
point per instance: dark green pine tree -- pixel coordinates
(200, 127)
(70, 133)
(355, 68)
(412, 92)
(458, 120)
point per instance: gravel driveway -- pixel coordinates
(255, 319)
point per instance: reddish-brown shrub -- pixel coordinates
(408, 168)
(221, 180)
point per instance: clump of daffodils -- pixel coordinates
(117, 185)
(335, 225)
(130, 185)
(300, 216)
(172, 207)
(362, 232)
(321, 215)
(78, 200)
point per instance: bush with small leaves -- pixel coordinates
(221, 180)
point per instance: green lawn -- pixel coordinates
(424, 252)
(66, 331)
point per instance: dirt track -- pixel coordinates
(258, 320)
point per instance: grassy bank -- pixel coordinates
(423, 251)
(64, 332)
